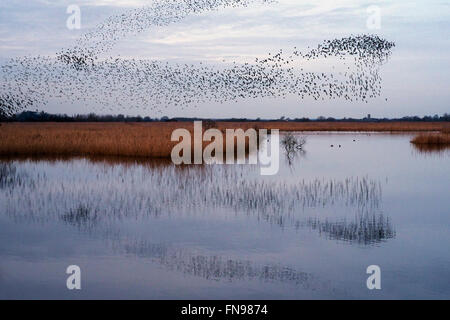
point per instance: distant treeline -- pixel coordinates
(34, 116)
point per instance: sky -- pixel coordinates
(415, 80)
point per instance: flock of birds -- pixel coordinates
(84, 74)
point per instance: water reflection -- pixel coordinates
(214, 267)
(209, 267)
(292, 155)
(224, 231)
(93, 159)
(364, 229)
(431, 148)
(293, 147)
(82, 217)
(8, 175)
(78, 191)
(96, 196)
(182, 260)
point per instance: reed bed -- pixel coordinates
(87, 139)
(438, 139)
(150, 139)
(395, 126)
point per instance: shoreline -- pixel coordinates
(153, 139)
(350, 126)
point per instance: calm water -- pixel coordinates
(153, 230)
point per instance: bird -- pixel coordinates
(82, 73)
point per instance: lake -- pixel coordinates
(153, 230)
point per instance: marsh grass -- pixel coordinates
(151, 140)
(136, 140)
(394, 126)
(436, 139)
(86, 139)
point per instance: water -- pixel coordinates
(153, 230)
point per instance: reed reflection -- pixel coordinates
(187, 261)
(82, 217)
(95, 196)
(215, 267)
(121, 191)
(431, 149)
(365, 228)
(8, 176)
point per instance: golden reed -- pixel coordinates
(434, 139)
(150, 139)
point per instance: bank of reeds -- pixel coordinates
(87, 139)
(137, 140)
(439, 139)
(150, 139)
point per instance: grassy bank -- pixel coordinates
(89, 139)
(440, 139)
(150, 139)
(432, 142)
(395, 126)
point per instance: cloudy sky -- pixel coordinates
(415, 80)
